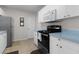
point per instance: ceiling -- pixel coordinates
(30, 8)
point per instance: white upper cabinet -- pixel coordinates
(63, 46)
(72, 10)
(61, 12)
(56, 12)
(47, 14)
(50, 16)
(66, 11)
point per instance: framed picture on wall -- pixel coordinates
(22, 21)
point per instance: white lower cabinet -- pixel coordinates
(63, 46)
(53, 45)
(69, 47)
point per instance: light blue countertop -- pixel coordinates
(72, 35)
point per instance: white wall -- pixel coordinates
(21, 33)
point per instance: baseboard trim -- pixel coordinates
(22, 39)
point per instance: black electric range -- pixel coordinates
(45, 40)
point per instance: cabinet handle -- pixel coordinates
(64, 16)
(68, 15)
(60, 46)
(56, 44)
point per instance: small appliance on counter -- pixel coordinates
(44, 41)
(54, 28)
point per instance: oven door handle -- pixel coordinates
(45, 34)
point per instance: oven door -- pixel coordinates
(45, 40)
(44, 43)
(42, 48)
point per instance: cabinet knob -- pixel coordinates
(56, 44)
(60, 46)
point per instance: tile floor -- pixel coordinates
(24, 47)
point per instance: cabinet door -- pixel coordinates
(69, 47)
(44, 11)
(61, 12)
(53, 45)
(67, 11)
(72, 10)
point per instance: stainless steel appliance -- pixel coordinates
(54, 28)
